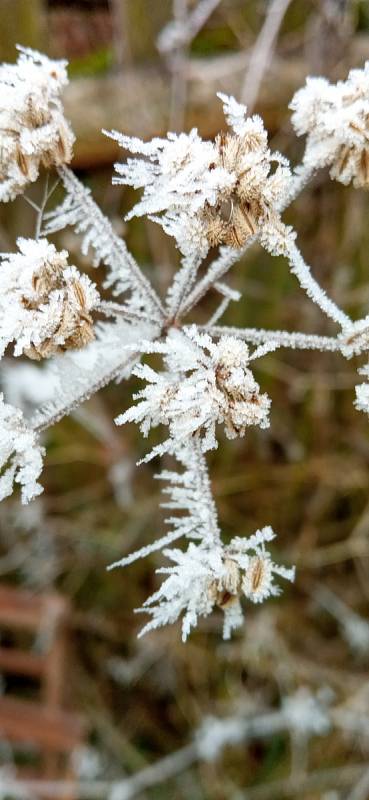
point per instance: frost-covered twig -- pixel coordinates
(189, 492)
(312, 287)
(181, 285)
(79, 377)
(177, 33)
(80, 210)
(219, 267)
(111, 309)
(294, 339)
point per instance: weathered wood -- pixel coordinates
(49, 728)
(44, 724)
(19, 662)
(20, 608)
(137, 101)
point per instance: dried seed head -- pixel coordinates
(240, 210)
(225, 591)
(208, 193)
(258, 578)
(335, 119)
(33, 129)
(51, 301)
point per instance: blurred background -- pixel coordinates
(81, 697)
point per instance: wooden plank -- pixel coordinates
(23, 609)
(20, 662)
(50, 729)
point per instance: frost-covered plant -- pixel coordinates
(203, 578)
(209, 573)
(209, 193)
(205, 383)
(229, 192)
(45, 304)
(335, 118)
(33, 129)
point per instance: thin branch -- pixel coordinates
(205, 491)
(218, 313)
(41, 210)
(80, 210)
(228, 256)
(262, 52)
(181, 286)
(53, 413)
(110, 309)
(111, 362)
(294, 340)
(173, 42)
(175, 34)
(312, 288)
(30, 202)
(177, 65)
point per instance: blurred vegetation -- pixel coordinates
(308, 476)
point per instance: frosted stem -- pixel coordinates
(227, 257)
(205, 492)
(81, 211)
(182, 284)
(48, 416)
(295, 340)
(311, 287)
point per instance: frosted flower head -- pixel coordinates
(205, 383)
(335, 119)
(33, 130)
(208, 193)
(204, 578)
(45, 304)
(20, 454)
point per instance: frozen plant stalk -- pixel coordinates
(229, 192)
